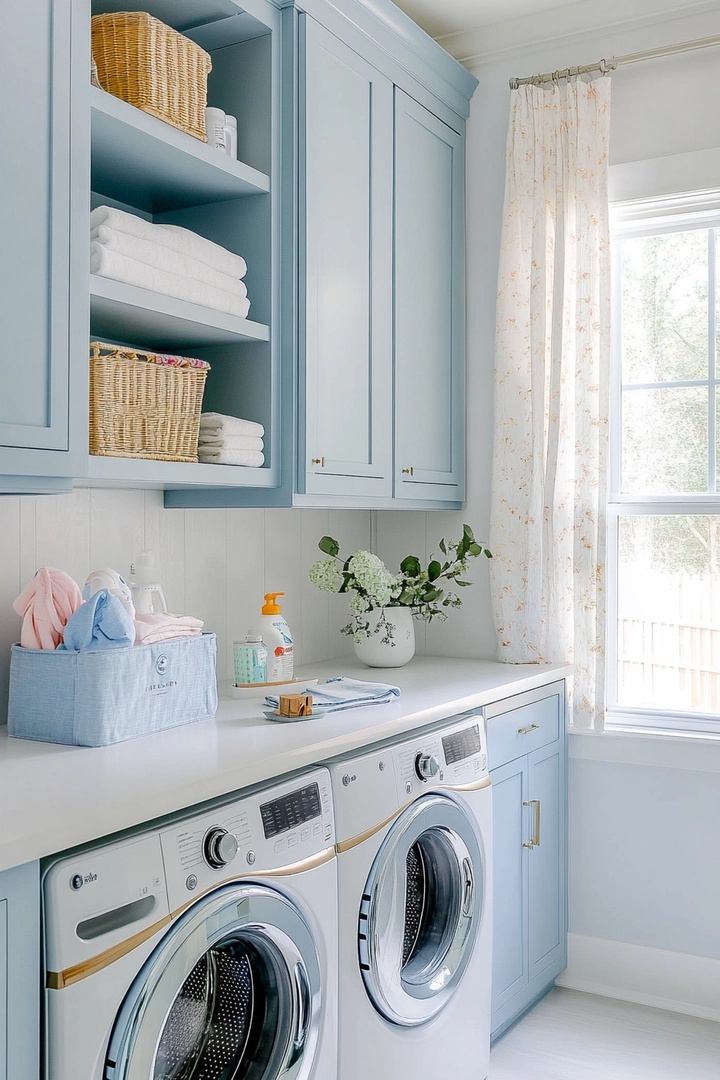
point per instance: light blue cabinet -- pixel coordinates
(20, 973)
(429, 305)
(37, 403)
(529, 849)
(345, 173)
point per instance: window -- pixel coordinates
(664, 510)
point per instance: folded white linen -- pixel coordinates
(164, 258)
(220, 425)
(230, 442)
(162, 626)
(111, 264)
(218, 456)
(174, 237)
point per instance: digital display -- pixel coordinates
(461, 745)
(291, 810)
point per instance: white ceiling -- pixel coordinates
(440, 17)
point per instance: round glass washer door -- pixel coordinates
(420, 911)
(233, 992)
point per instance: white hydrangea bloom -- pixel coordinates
(326, 575)
(373, 577)
(358, 603)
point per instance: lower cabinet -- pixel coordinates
(20, 973)
(527, 756)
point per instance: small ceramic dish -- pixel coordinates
(270, 714)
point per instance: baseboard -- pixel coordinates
(657, 977)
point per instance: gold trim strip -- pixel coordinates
(58, 980)
(355, 841)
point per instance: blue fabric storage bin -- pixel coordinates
(97, 698)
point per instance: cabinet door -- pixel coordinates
(345, 411)
(34, 229)
(546, 861)
(429, 305)
(510, 883)
(20, 973)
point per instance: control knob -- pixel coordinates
(426, 766)
(219, 847)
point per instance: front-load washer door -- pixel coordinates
(420, 911)
(232, 992)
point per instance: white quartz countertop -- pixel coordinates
(53, 797)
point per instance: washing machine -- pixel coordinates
(414, 833)
(206, 948)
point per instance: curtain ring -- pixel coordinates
(603, 68)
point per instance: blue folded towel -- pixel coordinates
(344, 693)
(100, 623)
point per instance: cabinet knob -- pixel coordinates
(319, 461)
(409, 471)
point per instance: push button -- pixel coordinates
(292, 840)
(305, 835)
(280, 845)
(328, 832)
(317, 829)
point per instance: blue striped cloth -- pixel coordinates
(343, 692)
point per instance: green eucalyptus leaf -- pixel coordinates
(468, 534)
(488, 553)
(443, 547)
(434, 570)
(462, 584)
(475, 549)
(431, 594)
(329, 546)
(405, 598)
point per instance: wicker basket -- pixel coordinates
(153, 67)
(140, 409)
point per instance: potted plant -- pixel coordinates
(382, 605)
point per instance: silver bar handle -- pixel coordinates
(535, 842)
(527, 730)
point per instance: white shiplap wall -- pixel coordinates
(215, 564)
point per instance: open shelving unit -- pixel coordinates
(149, 168)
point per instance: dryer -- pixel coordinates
(414, 834)
(205, 948)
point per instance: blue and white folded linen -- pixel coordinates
(343, 692)
(100, 623)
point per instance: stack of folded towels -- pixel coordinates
(167, 259)
(228, 440)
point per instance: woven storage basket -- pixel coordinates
(140, 409)
(153, 67)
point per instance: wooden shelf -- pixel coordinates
(168, 474)
(139, 160)
(125, 313)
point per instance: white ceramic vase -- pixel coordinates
(374, 652)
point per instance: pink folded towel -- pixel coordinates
(162, 626)
(46, 604)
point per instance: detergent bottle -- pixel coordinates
(276, 635)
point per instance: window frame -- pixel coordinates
(629, 219)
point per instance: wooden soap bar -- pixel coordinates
(295, 705)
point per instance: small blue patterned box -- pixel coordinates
(98, 698)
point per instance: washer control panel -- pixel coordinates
(455, 755)
(262, 832)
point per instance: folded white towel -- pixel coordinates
(174, 237)
(164, 258)
(111, 264)
(219, 456)
(230, 442)
(217, 425)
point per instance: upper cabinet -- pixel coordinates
(346, 175)
(36, 257)
(345, 201)
(429, 305)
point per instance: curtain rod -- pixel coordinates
(604, 66)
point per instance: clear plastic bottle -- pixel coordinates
(250, 659)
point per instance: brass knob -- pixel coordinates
(319, 461)
(409, 471)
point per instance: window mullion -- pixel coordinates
(712, 365)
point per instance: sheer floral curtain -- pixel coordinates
(552, 387)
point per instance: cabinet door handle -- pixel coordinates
(319, 461)
(410, 471)
(535, 842)
(527, 730)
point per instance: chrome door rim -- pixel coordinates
(255, 913)
(412, 991)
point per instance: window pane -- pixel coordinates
(665, 440)
(665, 307)
(669, 613)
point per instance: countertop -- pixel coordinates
(53, 797)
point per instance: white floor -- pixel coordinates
(574, 1036)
